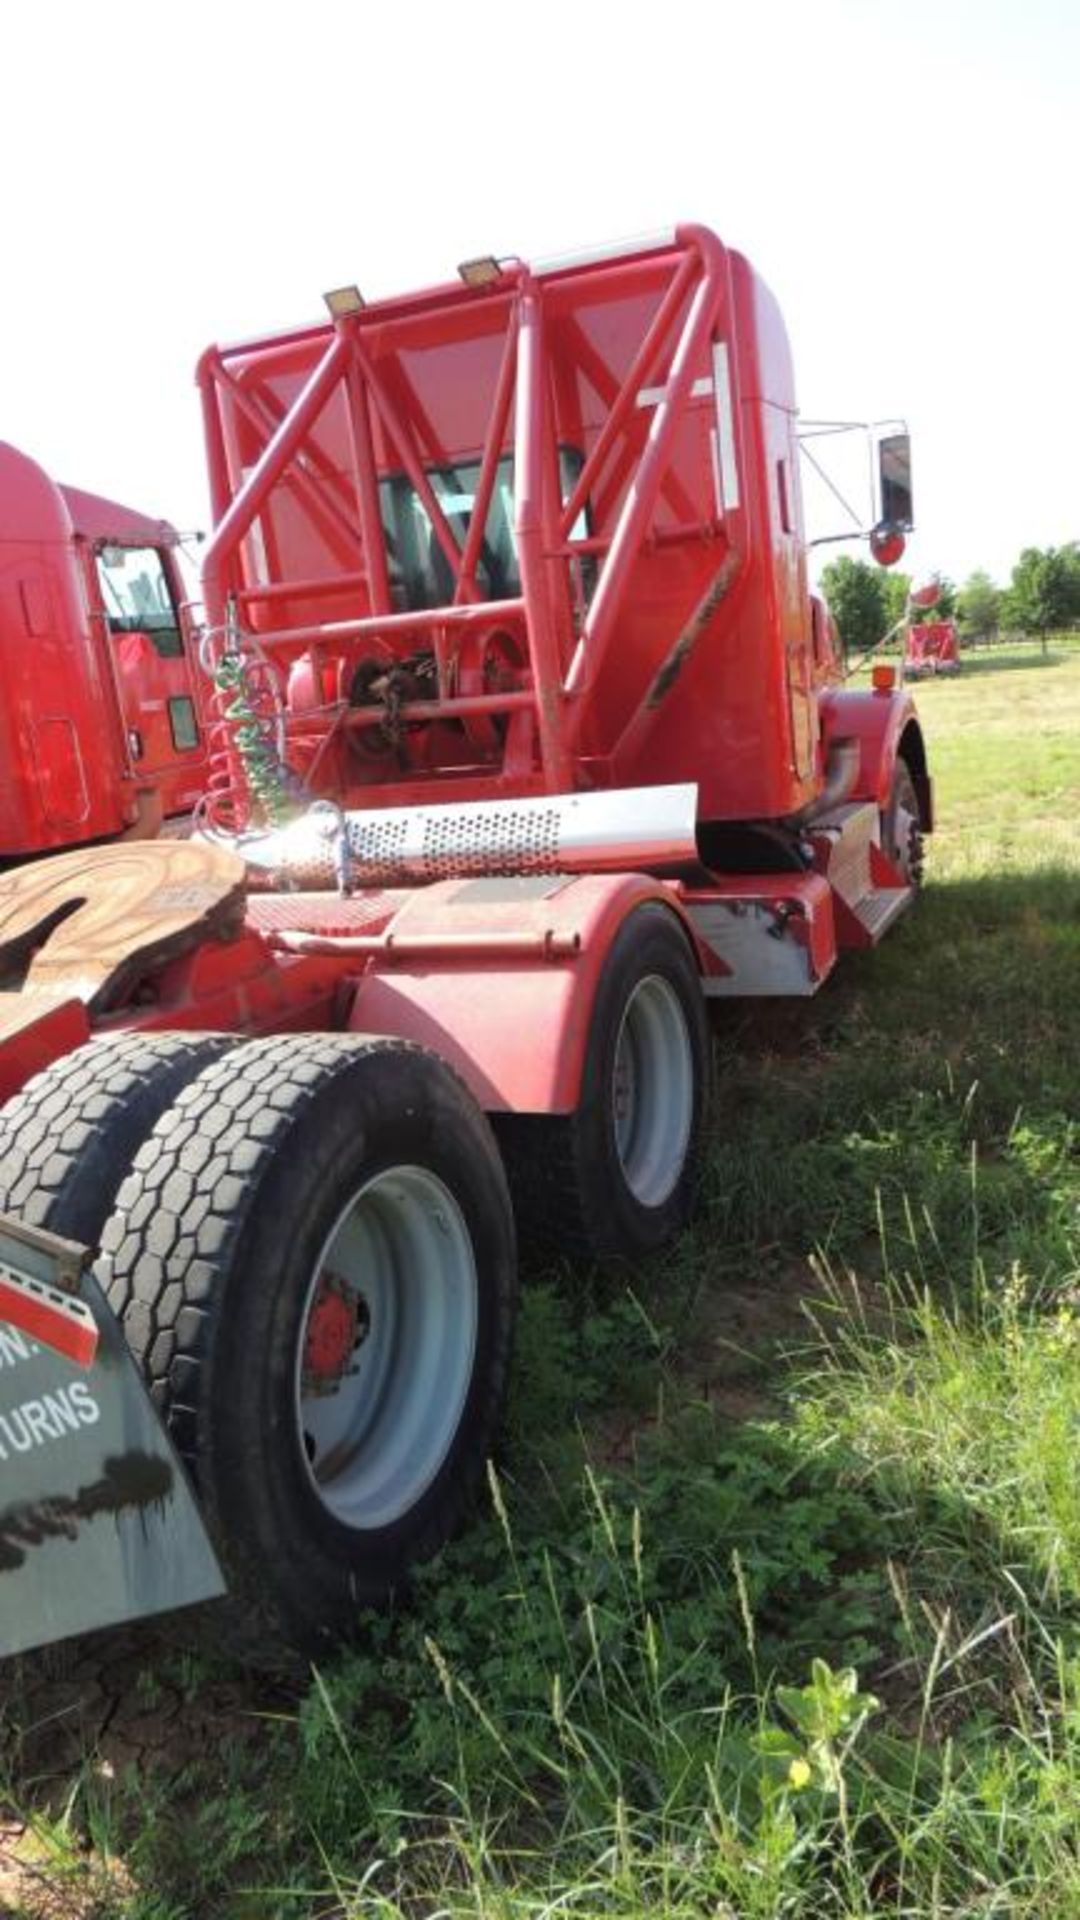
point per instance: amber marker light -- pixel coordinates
(883, 677)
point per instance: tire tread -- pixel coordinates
(68, 1136)
(197, 1254)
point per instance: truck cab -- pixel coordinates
(100, 726)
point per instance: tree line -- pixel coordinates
(1042, 597)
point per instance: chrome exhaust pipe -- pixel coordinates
(628, 829)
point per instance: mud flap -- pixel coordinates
(98, 1524)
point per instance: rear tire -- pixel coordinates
(618, 1176)
(68, 1138)
(313, 1260)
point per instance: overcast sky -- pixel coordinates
(904, 176)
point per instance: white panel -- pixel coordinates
(765, 963)
(725, 424)
(718, 488)
(652, 396)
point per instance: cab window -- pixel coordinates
(137, 596)
(419, 572)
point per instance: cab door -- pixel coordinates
(154, 672)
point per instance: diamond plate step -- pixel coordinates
(876, 911)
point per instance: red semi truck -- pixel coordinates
(100, 732)
(528, 749)
(931, 646)
(931, 640)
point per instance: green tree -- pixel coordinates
(978, 606)
(1044, 592)
(856, 595)
(897, 587)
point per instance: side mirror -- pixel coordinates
(894, 481)
(927, 596)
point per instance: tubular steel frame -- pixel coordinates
(564, 659)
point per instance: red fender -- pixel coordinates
(499, 978)
(884, 724)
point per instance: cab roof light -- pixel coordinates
(341, 301)
(480, 272)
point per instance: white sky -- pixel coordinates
(903, 172)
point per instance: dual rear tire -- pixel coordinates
(312, 1257)
(309, 1244)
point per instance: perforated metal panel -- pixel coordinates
(507, 841)
(323, 913)
(378, 839)
(646, 829)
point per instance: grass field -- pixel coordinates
(775, 1607)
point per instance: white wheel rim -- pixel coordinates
(904, 840)
(653, 1091)
(903, 831)
(374, 1438)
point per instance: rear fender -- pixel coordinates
(499, 978)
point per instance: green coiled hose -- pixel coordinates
(263, 770)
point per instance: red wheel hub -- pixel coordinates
(332, 1329)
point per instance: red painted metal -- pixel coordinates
(503, 989)
(932, 646)
(623, 431)
(422, 387)
(331, 1332)
(35, 1029)
(100, 728)
(887, 545)
(242, 987)
(882, 723)
(925, 596)
(57, 1321)
(572, 495)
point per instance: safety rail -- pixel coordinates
(320, 416)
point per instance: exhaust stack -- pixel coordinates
(633, 829)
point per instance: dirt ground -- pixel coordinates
(134, 1698)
